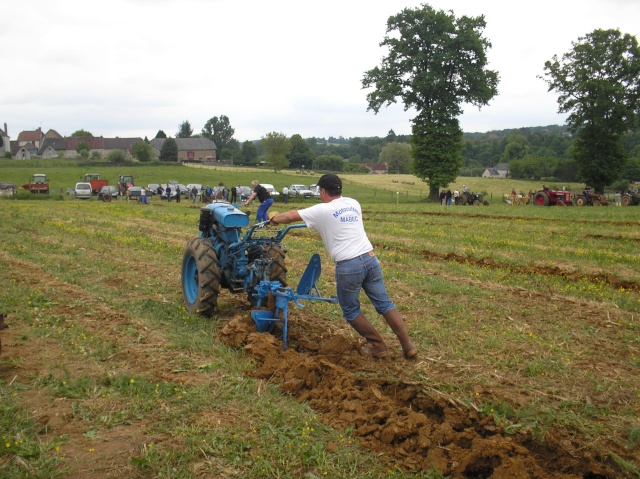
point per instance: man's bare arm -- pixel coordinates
(286, 218)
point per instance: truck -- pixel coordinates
(39, 184)
(300, 191)
(95, 181)
(124, 183)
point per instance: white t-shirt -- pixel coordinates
(339, 223)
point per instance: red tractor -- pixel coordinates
(547, 197)
(39, 184)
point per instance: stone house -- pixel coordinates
(66, 147)
(501, 170)
(377, 168)
(190, 150)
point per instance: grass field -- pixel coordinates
(526, 319)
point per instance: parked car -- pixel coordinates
(107, 193)
(315, 191)
(152, 189)
(272, 191)
(243, 192)
(300, 190)
(83, 191)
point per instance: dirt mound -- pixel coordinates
(402, 421)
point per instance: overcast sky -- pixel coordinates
(129, 68)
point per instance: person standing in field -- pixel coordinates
(339, 221)
(263, 197)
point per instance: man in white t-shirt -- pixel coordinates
(339, 221)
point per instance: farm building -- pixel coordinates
(501, 170)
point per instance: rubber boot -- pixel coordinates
(394, 320)
(375, 344)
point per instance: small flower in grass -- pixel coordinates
(92, 450)
(7, 445)
(132, 381)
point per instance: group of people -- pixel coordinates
(448, 197)
(160, 191)
(219, 192)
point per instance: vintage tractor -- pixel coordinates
(124, 183)
(252, 263)
(591, 199)
(39, 184)
(468, 198)
(630, 198)
(552, 198)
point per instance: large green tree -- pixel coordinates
(219, 130)
(185, 130)
(397, 156)
(436, 63)
(169, 150)
(516, 148)
(598, 82)
(83, 149)
(81, 134)
(249, 152)
(142, 151)
(301, 154)
(276, 147)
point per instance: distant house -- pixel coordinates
(34, 137)
(23, 152)
(377, 168)
(5, 141)
(501, 170)
(66, 147)
(190, 150)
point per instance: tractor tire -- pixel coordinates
(476, 202)
(106, 198)
(277, 269)
(462, 200)
(595, 202)
(626, 200)
(200, 277)
(541, 199)
(560, 203)
(581, 200)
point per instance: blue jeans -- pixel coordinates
(354, 275)
(262, 210)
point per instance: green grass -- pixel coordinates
(502, 299)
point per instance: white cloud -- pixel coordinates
(130, 68)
